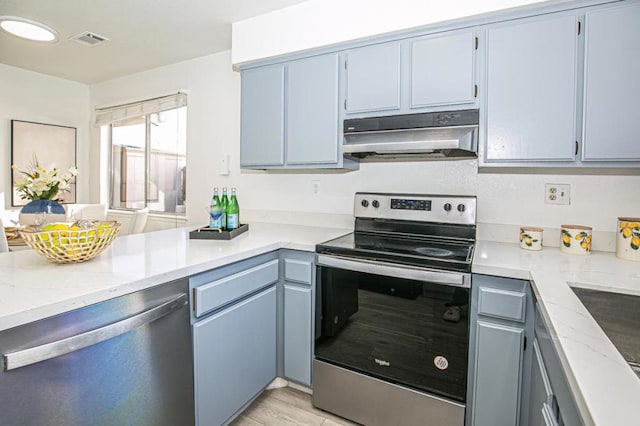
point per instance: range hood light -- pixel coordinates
(27, 29)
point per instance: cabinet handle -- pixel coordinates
(579, 27)
(345, 104)
(475, 90)
(576, 147)
(476, 43)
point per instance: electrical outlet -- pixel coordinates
(557, 193)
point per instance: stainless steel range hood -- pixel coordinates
(425, 136)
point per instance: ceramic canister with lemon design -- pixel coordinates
(575, 239)
(628, 240)
(531, 238)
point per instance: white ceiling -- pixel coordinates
(143, 34)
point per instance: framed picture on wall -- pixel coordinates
(50, 144)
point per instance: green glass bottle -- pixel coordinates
(233, 211)
(215, 211)
(224, 203)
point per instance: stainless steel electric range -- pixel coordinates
(394, 300)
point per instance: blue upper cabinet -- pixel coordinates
(290, 115)
(262, 116)
(312, 110)
(612, 84)
(373, 78)
(531, 83)
(555, 90)
(442, 69)
(411, 75)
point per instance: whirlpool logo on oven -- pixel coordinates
(382, 362)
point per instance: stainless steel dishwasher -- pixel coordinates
(125, 361)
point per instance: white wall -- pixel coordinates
(213, 131)
(30, 96)
(316, 23)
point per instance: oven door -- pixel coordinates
(404, 325)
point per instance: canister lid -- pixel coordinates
(580, 227)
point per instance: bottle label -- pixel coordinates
(215, 218)
(223, 220)
(232, 221)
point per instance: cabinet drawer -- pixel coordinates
(211, 296)
(499, 303)
(297, 271)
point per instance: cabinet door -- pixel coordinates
(373, 78)
(235, 356)
(442, 69)
(262, 117)
(531, 90)
(612, 84)
(312, 110)
(298, 338)
(498, 363)
(540, 393)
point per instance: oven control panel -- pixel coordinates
(418, 207)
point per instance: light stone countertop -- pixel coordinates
(33, 288)
(606, 390)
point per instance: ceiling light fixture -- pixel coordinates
(26, 28)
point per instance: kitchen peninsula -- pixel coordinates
(32, 288)
(605, 389)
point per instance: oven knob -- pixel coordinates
(375, 204)
(447, 207)
(461, 208)
(365, 203)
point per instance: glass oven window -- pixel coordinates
(407, 332)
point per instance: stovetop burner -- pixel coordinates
(434, 252)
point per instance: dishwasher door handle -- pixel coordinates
(14, 360)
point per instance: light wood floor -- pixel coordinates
(284, 407)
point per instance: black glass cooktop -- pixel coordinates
(408, 250)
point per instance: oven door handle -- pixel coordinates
(458, 279)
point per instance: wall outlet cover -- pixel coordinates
(557, 193)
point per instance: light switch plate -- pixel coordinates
(224, 165)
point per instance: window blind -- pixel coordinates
(115, 113)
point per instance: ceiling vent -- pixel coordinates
(88, 38)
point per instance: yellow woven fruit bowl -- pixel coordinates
(71, 243)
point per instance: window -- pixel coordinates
(148, 154)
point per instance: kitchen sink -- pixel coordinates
(619, 317)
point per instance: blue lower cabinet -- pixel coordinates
(298, 338)
(541, 399)
(498, 366)
(500, 355)
(297, 316)
(235, 356)
(551, 402)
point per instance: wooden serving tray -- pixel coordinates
(207, 233)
